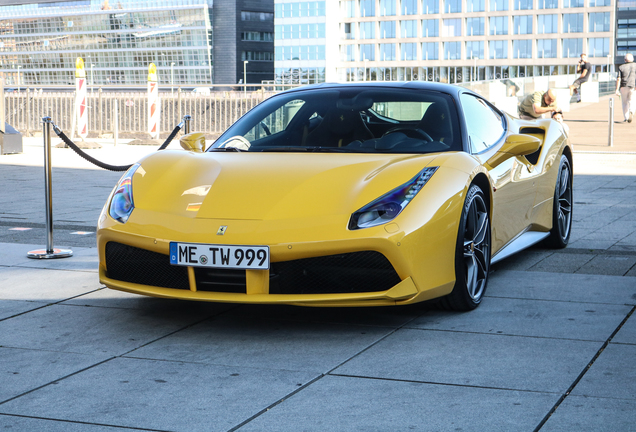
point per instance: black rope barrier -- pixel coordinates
(103, 165)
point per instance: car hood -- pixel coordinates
(266, 186)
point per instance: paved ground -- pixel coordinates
(552, 348)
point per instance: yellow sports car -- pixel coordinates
(341, 195)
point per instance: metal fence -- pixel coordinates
(211, 113)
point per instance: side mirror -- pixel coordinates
(515, 145)
(194, 141)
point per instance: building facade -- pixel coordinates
(453, 40)
(625, 29)
(40, 41)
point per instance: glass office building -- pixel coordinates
(40, 41)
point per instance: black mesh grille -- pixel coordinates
(220, 280)
(346, 273)
(131, 264)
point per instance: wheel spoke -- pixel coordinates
(480, 235)
(471, 277)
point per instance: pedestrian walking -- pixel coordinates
(585, 69)
(625, 84)
(536, 104)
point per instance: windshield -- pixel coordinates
(362, 120)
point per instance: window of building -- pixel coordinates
(367, 30)
(598, 47)
(572, 48)
(498, 49)
(452, 27)
(409, 7)
(408, 29)
(367, 8)
(430, 6)
(599, 22)
(387, 7)
(498, 25)
(430, 28)
(626, 28)
(523, 4)
(546, 48)
(408, 51)
(474, 49)
(522, 24)
(573, 3)
(387, 29)
(547, 23)
(349, 30)
(452, 6)
(387, 52)
(499, 5)
(548, 4)
(257, 36)
(522, 49)
(257, 56)
(367, 52)
(347, 53)
(430, 51)
(573, 23)
(597, 3)
(452, 51)
(348, 8)
(475, 26)
(475, 5)
(257, 16)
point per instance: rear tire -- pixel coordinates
(472, 254)
(562, 207)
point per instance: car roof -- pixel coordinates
(450, 89)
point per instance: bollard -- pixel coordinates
(611, 123)
(50, 251)
(186, 119)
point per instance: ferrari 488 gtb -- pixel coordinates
(341, 195)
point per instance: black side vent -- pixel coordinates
(537, 133)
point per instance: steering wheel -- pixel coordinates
(411, 133)
(242, 144)
(265, 128)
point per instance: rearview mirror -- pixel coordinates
(515, 145)
(194, 141)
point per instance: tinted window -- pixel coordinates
(485, 126)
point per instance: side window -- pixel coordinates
(485, 126)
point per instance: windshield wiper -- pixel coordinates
(307, 149)
(285, 149)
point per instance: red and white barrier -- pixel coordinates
(80, 98)
(154, 103)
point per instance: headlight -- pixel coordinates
(122, 204)
(391, 204)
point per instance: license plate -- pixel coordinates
(219, 256)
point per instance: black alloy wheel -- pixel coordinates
(472, 256)
(562, 207)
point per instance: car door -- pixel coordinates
(513, 191)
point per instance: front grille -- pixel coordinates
(220, 280)
(130, 264)
(355, 272)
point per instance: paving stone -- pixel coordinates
(523, 260)
(18, 423)
(88, 330)
(612, 375)
(540, 318)
(160, 395)
(267, 343)
(627, 333)
(588, 414)
(562, 263)
(563, 287)
(352, 404)
(483, 360)
(10, 308)
(617, 265)
(42, 285)
(23, 370)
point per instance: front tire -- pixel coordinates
(472, 254)
(562, 207)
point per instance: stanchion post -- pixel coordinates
(186, 119)
(611, 123)
(50, 251)
(100, 111)
(116, 120)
